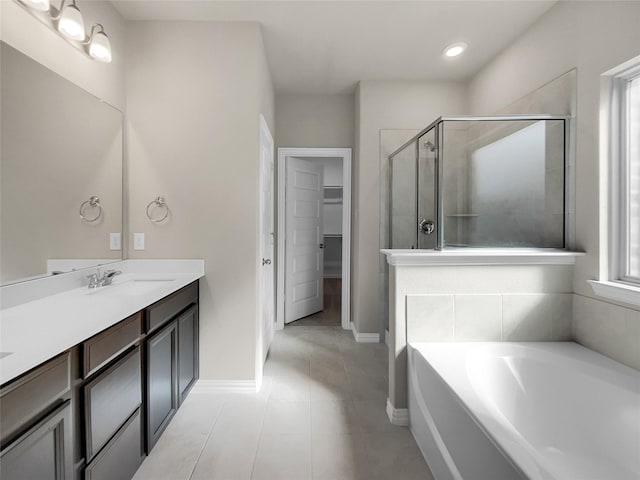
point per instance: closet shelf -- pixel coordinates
(332, 194)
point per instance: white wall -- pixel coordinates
(195, 91)
(381, 105)
(592, 37)
(104, 80)
(315, 121)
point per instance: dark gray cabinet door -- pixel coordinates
(44, 452)
(187, 351)
(122, 456)
(162, 381)
(110, 399)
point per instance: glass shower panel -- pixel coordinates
(427, 234)
(503, 183)
(402, 212)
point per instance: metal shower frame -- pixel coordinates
(439, 204)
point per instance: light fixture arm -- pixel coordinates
(93, 29)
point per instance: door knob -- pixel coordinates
(266, 261)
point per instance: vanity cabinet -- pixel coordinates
(171, 358)
(36, 423)
(93, 411)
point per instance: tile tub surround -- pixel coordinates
(319, 414)
(474, 295)
(609, 329)
(43, 318)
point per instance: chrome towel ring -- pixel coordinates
(159, 202)
(93, 202)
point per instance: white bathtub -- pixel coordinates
(493, 411)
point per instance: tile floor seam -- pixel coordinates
(264, 416)
(204, 444)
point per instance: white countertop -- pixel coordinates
(40, 329)
(481, 256)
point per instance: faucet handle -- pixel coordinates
(94, 280)
(107, 278)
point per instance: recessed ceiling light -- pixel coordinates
(455, 49)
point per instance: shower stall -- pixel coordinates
(483, 181)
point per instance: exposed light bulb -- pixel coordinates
(71, 23)
(455, 49)
(99, 46)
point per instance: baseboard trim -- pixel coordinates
(364, 337)
(225, 386)
(397, 416)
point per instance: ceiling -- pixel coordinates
(326, 47)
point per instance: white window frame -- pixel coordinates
(620, 164)
(614, 282)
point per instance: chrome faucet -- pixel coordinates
(107, 278)
(95, 280)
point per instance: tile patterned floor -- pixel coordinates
(320, 415)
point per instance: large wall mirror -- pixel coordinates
(60, 146)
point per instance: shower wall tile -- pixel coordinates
(478, 318)
(526, 318)
(430, 318)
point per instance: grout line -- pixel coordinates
(264, 416)
(204, 444)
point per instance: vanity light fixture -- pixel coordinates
(70, 22)
(99, 45)
(67, 21)
(454, 49)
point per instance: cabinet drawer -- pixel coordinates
(22, 401)
(100, 349)
(110, 399)
(164, 310)
(123, 454)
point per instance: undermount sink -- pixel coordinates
(132, 287)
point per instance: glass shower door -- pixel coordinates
(426, 226)
(402, 212)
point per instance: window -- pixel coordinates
(627, 86)
(620, 134)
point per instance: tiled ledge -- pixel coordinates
(482, 256)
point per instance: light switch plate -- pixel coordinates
(115, 241)
(138, 241)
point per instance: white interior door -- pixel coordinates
(304, 243)
(267, 291)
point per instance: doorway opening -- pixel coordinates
(314, 236)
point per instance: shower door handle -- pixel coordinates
(426, 226)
